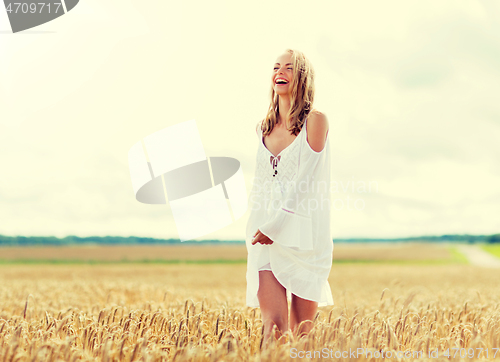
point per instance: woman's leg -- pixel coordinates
(273, 304)
(302, 310)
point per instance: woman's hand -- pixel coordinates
(261, 238)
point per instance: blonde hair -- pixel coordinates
(302, 96)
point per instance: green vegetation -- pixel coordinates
(432, 239)
(134, 240)
(492, 239)
(457, 256)
(100, 240)
(492, 249)
(123, 261)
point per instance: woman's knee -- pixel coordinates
(278, 320)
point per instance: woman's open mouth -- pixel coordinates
(281, 81)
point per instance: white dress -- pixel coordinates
(290, 203)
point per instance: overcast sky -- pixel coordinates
(410, 89)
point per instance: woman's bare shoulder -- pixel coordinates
(316, 114)
(317, 129)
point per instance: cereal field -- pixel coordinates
(197, 312)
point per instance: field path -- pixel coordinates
(479, 257)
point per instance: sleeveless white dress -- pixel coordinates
(290, 203)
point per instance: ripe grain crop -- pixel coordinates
(197, 313)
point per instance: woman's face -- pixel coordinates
(283, 74)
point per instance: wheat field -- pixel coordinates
(197, 312)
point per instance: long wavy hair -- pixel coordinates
(302, 96)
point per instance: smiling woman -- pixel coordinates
(288, 234)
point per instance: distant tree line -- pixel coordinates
(105, 240)
(494, 238)
(434, 239)
(134, 240)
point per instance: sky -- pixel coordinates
(410, 90)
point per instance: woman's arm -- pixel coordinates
(317, 130)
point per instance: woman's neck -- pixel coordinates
(284, 107)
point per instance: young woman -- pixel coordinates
(288, 232)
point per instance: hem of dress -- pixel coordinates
(324, 304)
(265, 267)
(320, 304)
